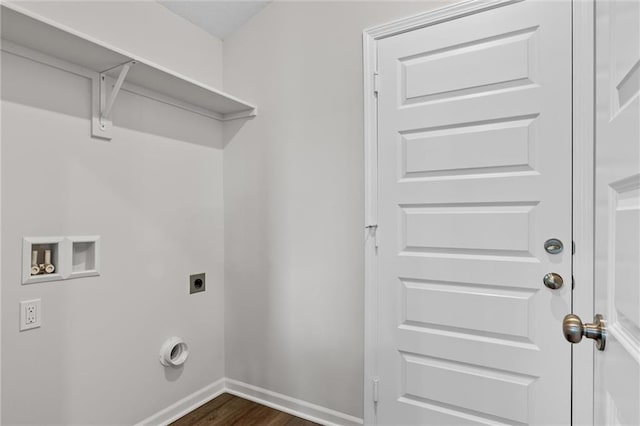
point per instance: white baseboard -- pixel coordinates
(185, 405)
(295, 407)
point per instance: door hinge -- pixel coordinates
(373, 230)
(376, 381)
(376, 82)
(573, 247)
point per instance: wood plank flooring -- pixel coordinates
(231, 410)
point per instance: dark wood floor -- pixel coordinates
(231, 410)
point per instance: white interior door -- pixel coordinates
(474, 174)
(617, 238)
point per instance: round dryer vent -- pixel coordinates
(174, 352)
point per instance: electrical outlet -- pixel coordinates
(30, 317)
(197, 283)
(30, 314)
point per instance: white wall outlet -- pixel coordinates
(30, 314)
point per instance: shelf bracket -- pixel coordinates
(103, 100)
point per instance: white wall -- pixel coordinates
(294, 200)
(293, 212)
(154, 195)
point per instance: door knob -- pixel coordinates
(553, 281)
(574, 330)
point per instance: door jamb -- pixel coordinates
(583, 33)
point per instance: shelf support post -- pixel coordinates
(106, 112)
(102, 113)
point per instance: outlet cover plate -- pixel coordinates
(30, 314)
(197, 283)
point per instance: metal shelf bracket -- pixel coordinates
(103, 100)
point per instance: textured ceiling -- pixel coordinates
(218, 17)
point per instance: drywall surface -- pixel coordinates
(143, 28)
(294, 200)
(154, 196)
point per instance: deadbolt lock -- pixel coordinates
(574, 330)
(553, 246)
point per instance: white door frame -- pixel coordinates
(583, 186)
(583, 201)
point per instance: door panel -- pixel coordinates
(474, 136)
(617, 239)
